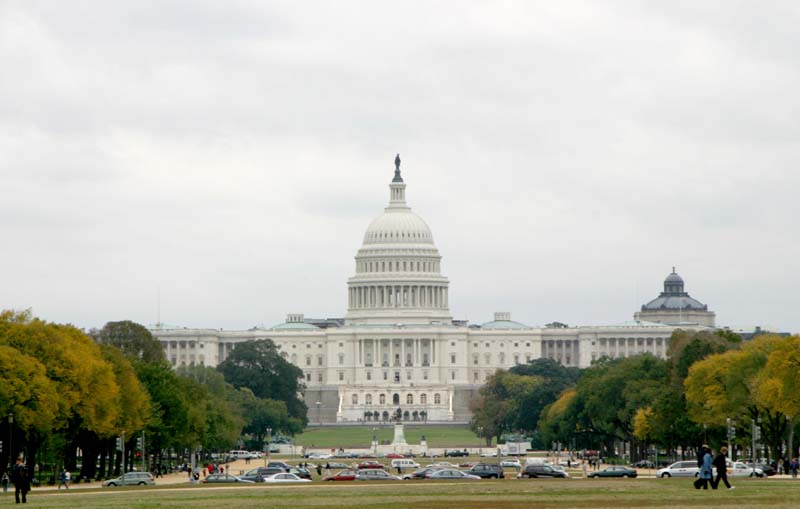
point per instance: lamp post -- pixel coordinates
(266, 456)
(319, 413)
(480, 437)
(10, 439)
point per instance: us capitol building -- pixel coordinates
(398, 349)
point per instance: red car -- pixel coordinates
(395, 456)
(369, 464)
(344, 475)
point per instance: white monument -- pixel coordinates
(399, 436)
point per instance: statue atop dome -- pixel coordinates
(397, 177)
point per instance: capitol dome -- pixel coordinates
(398, 278)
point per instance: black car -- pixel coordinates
(456, 453)
(536, 471)
(422, 473)
(487, 471)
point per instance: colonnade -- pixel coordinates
(398, 296)
(422, 352)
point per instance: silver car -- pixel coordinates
(680, 469)
(131, 479)
(452, 474)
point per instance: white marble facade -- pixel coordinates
(398, 347)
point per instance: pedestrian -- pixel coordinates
(327, 468)
(319, 470)
(706, 464)
(721, 463)
(795, 465)
(583, 467)
(5, 482)
(63, 479)
(19, 476)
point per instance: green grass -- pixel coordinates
(507, 494)
(361, 436)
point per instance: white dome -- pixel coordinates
(398, 226)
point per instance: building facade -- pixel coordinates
(398, 352)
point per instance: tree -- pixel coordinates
(725, 385)
(134, 340)
(776, 385)
(259, 366)
(555, 379)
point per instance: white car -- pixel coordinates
(491, 454)
(511, 463)
(679, 469)
(285, 477)
(739, 469)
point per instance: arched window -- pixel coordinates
(368, 399)
(355, 399)
(382, 399)
(409, 399)
(423, 399)
(396, 399)
(437, 399)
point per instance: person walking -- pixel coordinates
(319, 469)
(706, 474)
(795, 465)
(583, 467)
(721, 464)
(5, 482)
(19, 477)
(63, 479)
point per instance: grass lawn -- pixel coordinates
(507, 494)
(361, 436)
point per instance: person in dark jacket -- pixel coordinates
(721, 464)
(19, 475)
(706, 463)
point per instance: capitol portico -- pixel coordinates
(398, 351)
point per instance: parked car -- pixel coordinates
(372, 474)
(404, 464)
(258, 474)
(300, 472)
(394, 455)
(559, 468)
(369, 465)
(224, 478)
(766, 469)
(344, 475)
(487, 471)
(131, 479)
(456, 453)
(511, 464)
(614, 471)
(443, 464)
(490, 454)
(449, 473)
(644, 464)
(679, 469)
(422, 473)
(336, 466)
(739, 469)
(279, 464)
(284, 477)
(534, 470)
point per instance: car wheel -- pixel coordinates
(625, 476)
(697, 474)
(142, 483)
(112, 485)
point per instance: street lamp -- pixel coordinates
(319, 413)
(266, 456)
(10, 439)
(480, 437)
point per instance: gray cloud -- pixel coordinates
(566, 155)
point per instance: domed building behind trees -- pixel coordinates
(398, 353)
(675, 307)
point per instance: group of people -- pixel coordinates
(706, 461)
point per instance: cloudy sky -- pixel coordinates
(566, 155)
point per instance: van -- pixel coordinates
(404, 464)
(238, 454)
(536, 461)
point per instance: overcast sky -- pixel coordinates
(565, 154)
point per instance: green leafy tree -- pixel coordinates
(259, 366)
(133, 339)
(555, 379)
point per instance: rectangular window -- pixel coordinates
(424, 375)
(341, 376)
(385, 375)
(369, 375)
(319, 361)
(319, 377)
(452, 375)
(452, 358)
